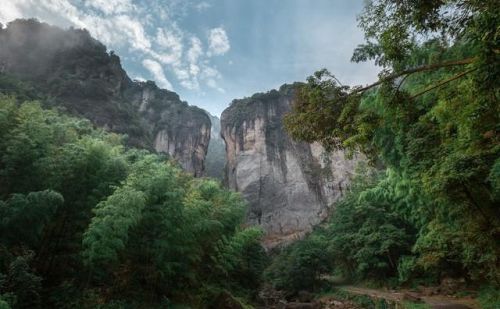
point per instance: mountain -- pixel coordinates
(73, 71)
(289, 185)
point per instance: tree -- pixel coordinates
(368, 232)
(25, 217)
(300, 266)
(84, 220)
(431, 119)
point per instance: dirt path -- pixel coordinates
(436, 302)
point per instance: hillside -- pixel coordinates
(72, 71)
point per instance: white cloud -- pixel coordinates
(181, 73)
(134, 30)
(209, 72)
(195, 51)
(191, 84)
(171, 40)
(9, 12)
(157, 71)
(202, 6)
(119, 30)
(110, 6)
(213, 84)
(150, 32)
(218, 42)
(194, 70)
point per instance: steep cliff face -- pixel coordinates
(71, 70)
(289, 185)
(180, 130)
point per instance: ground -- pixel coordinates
(435, 301)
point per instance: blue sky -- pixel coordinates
(213, 51)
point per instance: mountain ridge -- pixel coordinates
(75, 72)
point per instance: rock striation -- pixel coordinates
(70, 70)
(289, 185)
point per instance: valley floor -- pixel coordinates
(434, 301)
(354, 297)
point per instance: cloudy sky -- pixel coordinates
(212, 51)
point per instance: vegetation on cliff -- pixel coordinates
(74, 72)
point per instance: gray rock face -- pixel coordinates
(215, 160)
(69, 69)
(289, 185)
(176, 129)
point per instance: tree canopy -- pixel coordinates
(431, 122)
(85, 221)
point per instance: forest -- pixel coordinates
(87, 221)
(427, 205)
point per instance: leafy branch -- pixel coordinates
(423, 68)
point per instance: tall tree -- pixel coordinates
(432, 119)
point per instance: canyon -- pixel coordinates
(290, 186)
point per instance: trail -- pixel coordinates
(435, 302)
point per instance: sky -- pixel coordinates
(213, 51)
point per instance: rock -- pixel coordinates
(450, 306)
(338, 303)
(450, 286)
(411, 297)
(329, 302)
(428, 291)
(297, 305)
(78, 75)
(305, 296)
(271, 297)
(289, 185)
(179, 130)
(225, 301)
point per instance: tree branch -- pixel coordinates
(429, 67)
(441, 83)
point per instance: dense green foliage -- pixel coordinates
(432, 123)
(86, 222)
(300, 266)
(365, 238)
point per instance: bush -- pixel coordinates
(300, 266)
(489, 297)
(406, 268)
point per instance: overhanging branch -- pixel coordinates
(429, 67)
(441, 83)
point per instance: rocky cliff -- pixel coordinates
(71, 70)
(289, 185)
